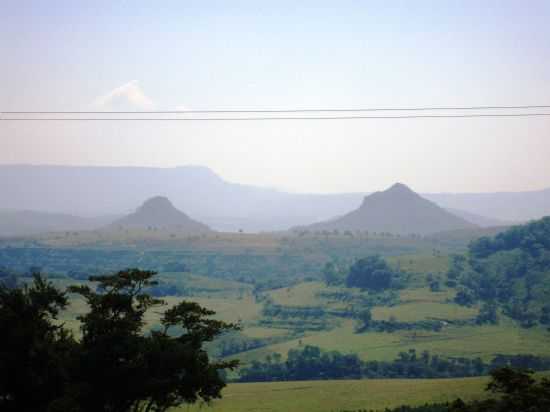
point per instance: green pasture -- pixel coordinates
(333, 396)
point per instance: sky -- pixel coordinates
(196, 55)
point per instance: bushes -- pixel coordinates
(371, 273)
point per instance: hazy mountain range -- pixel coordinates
(222, 205)
(28, 222)
(397, 210)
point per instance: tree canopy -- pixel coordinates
(115, 366)
(34, 351)
(372, 273)
(510, 271)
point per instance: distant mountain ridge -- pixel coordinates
(95, 191)
(481, 221)
(397, 210)
(31, 222)
(159, 213)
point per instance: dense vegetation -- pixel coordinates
(372, 273)
(511, 270)
(374, 302)
(114, 366)
(266, 260)
(311, 363)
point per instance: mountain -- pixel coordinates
(223, 205)
(396, 210)
(479, 220)
(30, 222)
(93, 191)
(506, 206)
(158, 212)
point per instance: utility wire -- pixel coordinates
(267, 118)
(371, 109)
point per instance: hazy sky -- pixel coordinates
(68, 55)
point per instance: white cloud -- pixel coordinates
(130, 93)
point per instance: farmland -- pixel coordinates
(334, 396)
(272, 285)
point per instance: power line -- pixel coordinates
(370, 109)
(267, 118)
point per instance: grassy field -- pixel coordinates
(424, 294)
(206, 286)
(333, 396)
(421, 263)
(234, 302)
(303, 294)
(421, 303)
(466, 341)
(411, 312)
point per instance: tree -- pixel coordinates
(519, 390)
(487, 314)
(34, 351)
(115, 366)
(435, 286)
(370, 273)
(365, 317)
(545, 315)
(331, 274)
(121, 369)
(464, 297)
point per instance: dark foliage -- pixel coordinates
(311, 363)
(392, 325)
(510, 271)
(34, 352)
(487, 314)
(8, 278)
(305, 364)
(372, 273)
(365, 319)
(114, 367)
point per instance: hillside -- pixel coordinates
(397, 210)
(511, 270)
(159, 213)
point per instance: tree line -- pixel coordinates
(311, 363)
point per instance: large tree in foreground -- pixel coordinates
(121, 369)
(116, 366)
(34, 351)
